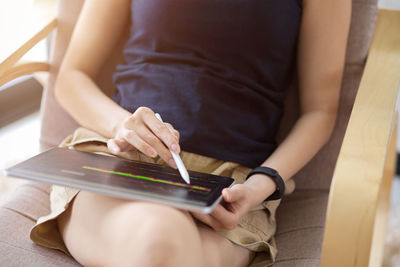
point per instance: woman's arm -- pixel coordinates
(321, 56)
(99, 29)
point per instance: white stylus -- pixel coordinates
(178, 161)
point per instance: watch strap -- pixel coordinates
(274, 175)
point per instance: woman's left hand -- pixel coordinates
(238, 201)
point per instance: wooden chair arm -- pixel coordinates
(9, 69)
(360, 191)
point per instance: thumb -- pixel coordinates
(233, 194)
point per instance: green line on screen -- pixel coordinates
(149, 179)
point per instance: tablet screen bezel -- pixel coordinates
(61, 166)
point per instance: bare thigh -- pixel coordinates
(220, 251)
(104, 231)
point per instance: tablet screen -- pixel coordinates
(123, 178)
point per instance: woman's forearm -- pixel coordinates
(309, 134)
(87, 104)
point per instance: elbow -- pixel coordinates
(322, 119)
(63, 86)
(329, 121)
(321, 123)
(59, 87)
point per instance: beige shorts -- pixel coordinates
(255, 230)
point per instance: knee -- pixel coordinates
(165, 236)
(159, 249)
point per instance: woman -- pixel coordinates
(216, 71)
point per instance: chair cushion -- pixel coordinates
(30, 199)
(18, 214)
(301, 222)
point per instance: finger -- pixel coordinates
(118, 145)
(139, 143)
(208, 220)
(112, 146)
(122, 144)
(233, 194)
(227, 219)
(161, 131)
(156, 144)
(172, 130)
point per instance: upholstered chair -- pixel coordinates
(336, 215)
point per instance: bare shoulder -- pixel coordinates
(97, 31)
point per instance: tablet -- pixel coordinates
(123, 178)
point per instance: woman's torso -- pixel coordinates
(215, 69)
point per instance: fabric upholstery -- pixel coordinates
(301, 216)
(17, 216)
(301, 219)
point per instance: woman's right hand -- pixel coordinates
(143, 131)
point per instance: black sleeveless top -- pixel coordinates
(215, 69)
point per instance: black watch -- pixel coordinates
(274, 175)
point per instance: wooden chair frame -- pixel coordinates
(360, 190)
